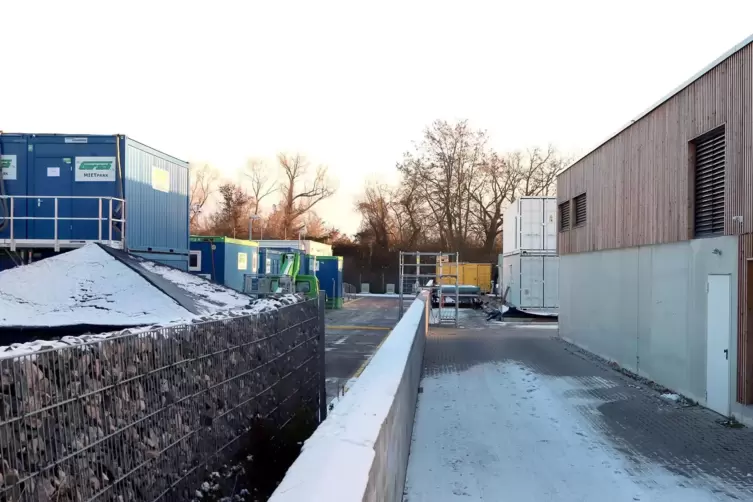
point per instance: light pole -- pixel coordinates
(251, 219)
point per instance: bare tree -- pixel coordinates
(259, 179)
(444, 168)
(203, 185)
(300, 193)
(537, 169)
(375, 207)
(495, 188)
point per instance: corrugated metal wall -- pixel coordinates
(156, 184)
(638, 184)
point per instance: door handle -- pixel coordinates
(726, 353)
(39, 202)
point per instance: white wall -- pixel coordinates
(360, 452)
(645, 308)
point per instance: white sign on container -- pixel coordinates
(242, 261)
(9, 165)
(95, 169)
(160, 179)
(53, 172)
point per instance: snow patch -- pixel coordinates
(671, 397)
(83, 286)
(255, 308)
(501, 431)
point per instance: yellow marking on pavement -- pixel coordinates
(376, 328)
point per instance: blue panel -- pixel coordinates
(60, 167)
(14, 149)
(269, 261)
(330, 275)
(172, 260)
(235, 267)
(157, 191)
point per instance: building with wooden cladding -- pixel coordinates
(656, 240)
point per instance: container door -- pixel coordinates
(13, 160)
(52, 177)
(531, 281)
(551, 281)
(550, 224)
(531, 225)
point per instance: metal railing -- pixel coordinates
(140, 417)
(109, 219)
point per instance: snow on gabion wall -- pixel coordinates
(143, 415)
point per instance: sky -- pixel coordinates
(351, 85)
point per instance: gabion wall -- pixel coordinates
(145, 416)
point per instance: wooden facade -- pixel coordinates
(639, 184)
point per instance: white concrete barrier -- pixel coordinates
(360, 452)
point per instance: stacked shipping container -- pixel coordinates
(529, 264)
(63, 191)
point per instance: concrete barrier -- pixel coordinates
(360, 453)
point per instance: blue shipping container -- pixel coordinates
(154, 186)
(330, 275)
(224, 260)
(13, 148)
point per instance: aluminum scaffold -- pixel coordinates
(436, 272)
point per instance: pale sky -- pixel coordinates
(349, 84)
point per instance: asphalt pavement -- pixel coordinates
(353, 334)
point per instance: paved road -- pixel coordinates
(353, 335)
(514, 413)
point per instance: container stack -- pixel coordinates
(529, 264)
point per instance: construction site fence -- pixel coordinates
(146, 416)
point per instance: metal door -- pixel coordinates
(532, 281)
(550, 224)
(551, 281)
(718, 328)
(531, 227)
(52, 177)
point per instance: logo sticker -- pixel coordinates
(95, 169)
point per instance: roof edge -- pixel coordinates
(738, 47)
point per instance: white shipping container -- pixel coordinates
(309, 247)
(530, 224)
(533, 280)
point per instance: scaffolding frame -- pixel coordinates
(437, 263)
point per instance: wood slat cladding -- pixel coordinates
(640, 184)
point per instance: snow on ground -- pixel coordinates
(500, 431)
(29, 348)
(84, 286)
(385, 295)
(208, 295)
